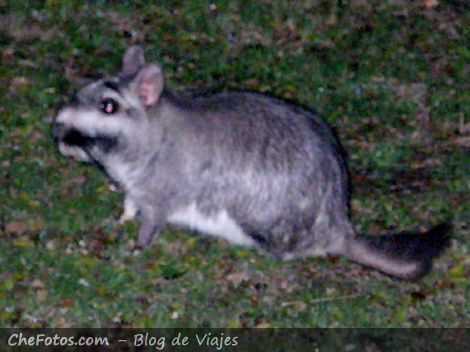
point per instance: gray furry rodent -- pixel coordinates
(252, 169)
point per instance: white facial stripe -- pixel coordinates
(75, 152)
(93, 122)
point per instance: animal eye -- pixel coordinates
(109, 106)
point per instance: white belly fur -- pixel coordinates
(219, 224)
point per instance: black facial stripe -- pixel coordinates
(78, 139)
(111, 85)
(105, 143)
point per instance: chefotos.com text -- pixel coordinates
(18, 339)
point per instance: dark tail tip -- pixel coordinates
(404, 255)
(433, 242)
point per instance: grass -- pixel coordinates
(391, 76)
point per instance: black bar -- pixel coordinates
(240, 340)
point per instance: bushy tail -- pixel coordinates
(406, 256)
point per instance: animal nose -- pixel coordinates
(58, 130)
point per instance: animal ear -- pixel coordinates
(149, 84)
(133, 60)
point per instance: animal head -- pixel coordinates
(110, 112)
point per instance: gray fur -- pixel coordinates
(250, 168)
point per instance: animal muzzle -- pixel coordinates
(70, 142)
(70, 136)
